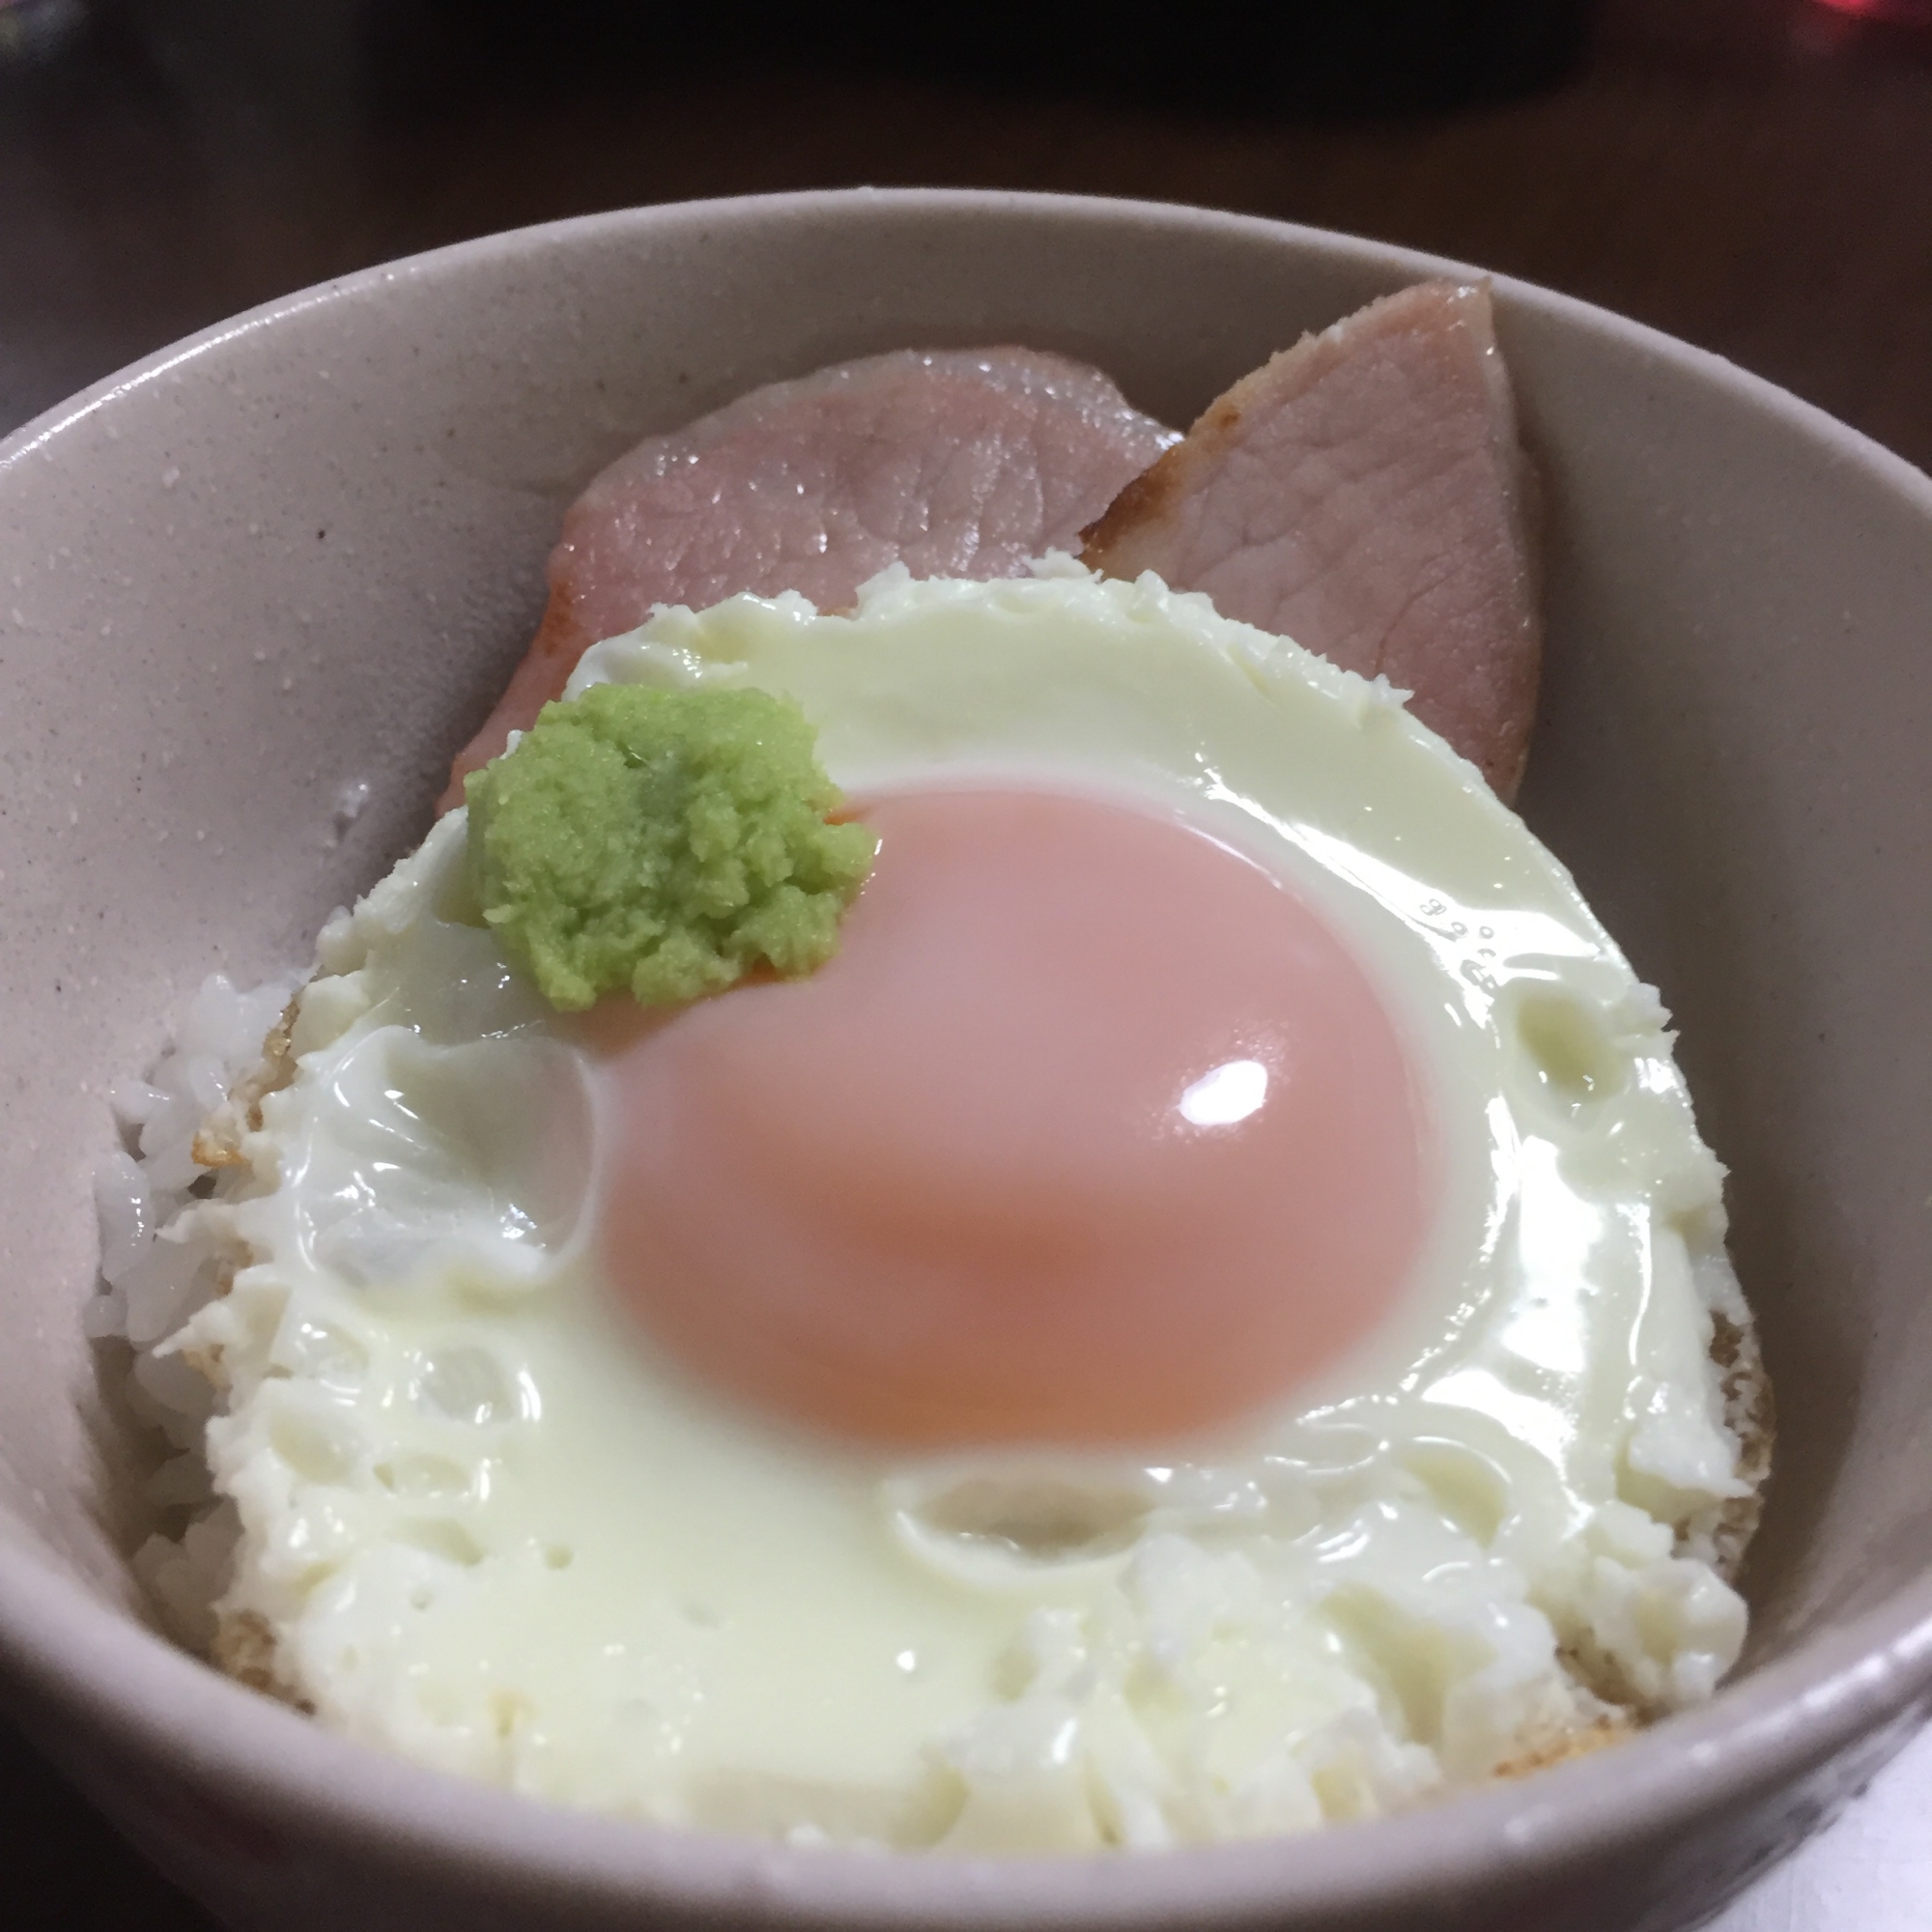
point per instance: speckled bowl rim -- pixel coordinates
(1866, 1681)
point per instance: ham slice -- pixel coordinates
(1364, 492)
(958, 463)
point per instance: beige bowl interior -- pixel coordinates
(302, 552)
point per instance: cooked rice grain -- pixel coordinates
(156, 1270)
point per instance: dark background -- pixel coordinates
(1753, 175)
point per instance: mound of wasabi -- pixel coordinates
(664, 842)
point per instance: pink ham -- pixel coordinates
(958, 463)
(1364, 494)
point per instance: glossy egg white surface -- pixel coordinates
(485, 1523)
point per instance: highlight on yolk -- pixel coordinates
(1092, 1131)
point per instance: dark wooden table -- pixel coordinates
(1753, 175)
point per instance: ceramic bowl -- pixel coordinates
(299, 553)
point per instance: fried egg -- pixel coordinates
(1196, 1323)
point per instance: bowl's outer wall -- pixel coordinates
(302, 553)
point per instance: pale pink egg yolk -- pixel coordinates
(1092, 1132)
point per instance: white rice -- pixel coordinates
(156, 1270)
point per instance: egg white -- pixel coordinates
(485, 1524)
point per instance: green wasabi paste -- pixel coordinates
(664, 841)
